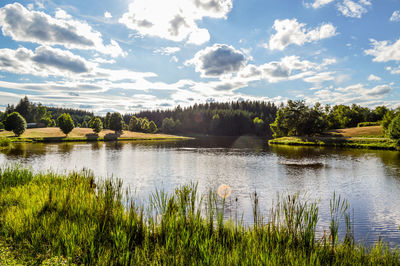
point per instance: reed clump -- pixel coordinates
(71, 219)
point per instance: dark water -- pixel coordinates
(369, 180)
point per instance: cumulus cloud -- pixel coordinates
(290, 31)
(217, 60)
(318, 3)
(395, 16)
(107, 14)
(372, 77)
(288, 68)
(353, 9)
(174, 20)
(394, 70)
(44, 61)
(383, 51)
(24, 25)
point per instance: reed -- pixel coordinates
(71, 219)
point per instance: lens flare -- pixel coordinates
(224, 191)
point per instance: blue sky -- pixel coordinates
(131, 55)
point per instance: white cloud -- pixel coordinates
(394, 71)
(395, 16)
(61, 14)
(320, 77)
(107, 14)
(289, 31)
(174, 20)
(44, 61)
(383, 51)
(372, 77)
(318, 3)
(24, 25)
(167, 50)
(357, 93)
(352, 9)
(217, 60)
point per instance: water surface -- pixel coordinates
(369, 180)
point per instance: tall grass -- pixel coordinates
(71, 219)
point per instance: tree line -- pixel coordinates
(228, 119)
(295, 118)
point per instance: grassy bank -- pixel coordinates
(82, 134)
(360, 137)
(69, 219)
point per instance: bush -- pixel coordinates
(97, 125)
(15, 123)
(368, 124)
(1, 126)
(394, 128)
(387, 119)
(152, 127)
(65, 123)
(133, 122)
(116, 122)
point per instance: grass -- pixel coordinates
(55, 219)
(81, 134)
(360, 137)
(371, 131)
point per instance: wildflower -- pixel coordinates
(224, 191)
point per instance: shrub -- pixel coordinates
(368, 124)
(65, 123)
(152, 127)
(15, 123)
(387, 119)
(133, 123)
(97, 125)
(1, 126)
(394, 128)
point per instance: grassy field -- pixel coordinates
(358, 137)
(82, 134)
(365, 132)
(66, 220)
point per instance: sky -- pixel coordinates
(132, 55)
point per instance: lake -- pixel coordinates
(368, 179)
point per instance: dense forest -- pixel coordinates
(295, 118)
(229, 119)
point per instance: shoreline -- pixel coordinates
(341, 142)
(100, 139)
(54, 135)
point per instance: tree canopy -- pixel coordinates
(16, 123)
(65, 123)
(116, 122)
